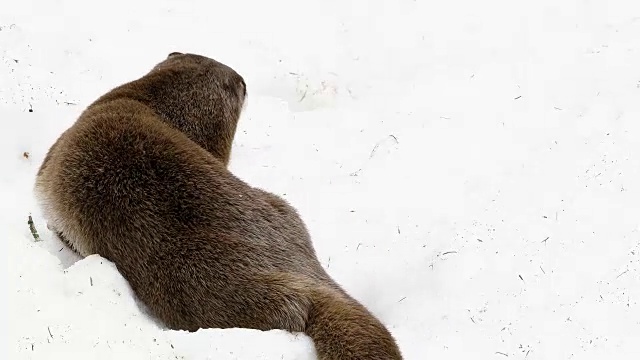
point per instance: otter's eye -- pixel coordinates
(174, 54)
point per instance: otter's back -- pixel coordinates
(171, 217)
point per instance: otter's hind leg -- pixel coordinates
(287, 303)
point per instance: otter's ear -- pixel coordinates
(244, 86)
(174, 54)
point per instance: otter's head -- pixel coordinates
(199, 96)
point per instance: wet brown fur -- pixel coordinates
(141, 179)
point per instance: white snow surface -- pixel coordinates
(468, 170)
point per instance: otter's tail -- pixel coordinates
(343, 329)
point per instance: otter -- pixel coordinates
(141, 178)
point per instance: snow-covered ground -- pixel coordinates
(469, 170)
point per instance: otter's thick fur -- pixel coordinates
(141, 179)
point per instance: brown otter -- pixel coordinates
(141, 179)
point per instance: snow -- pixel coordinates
(469, 170)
